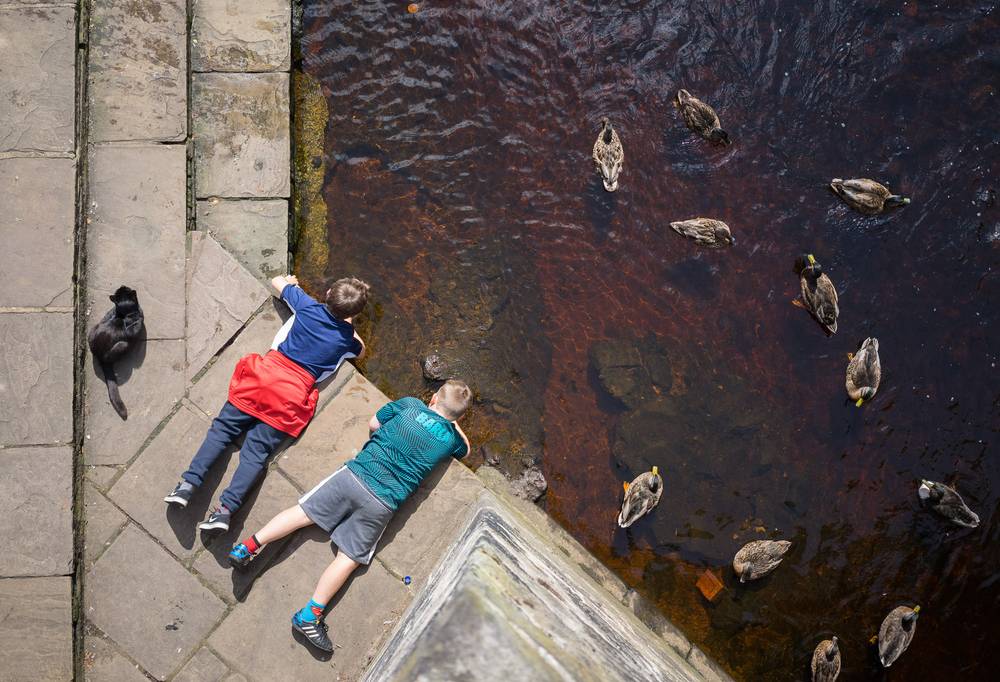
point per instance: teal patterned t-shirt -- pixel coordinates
(412, 440)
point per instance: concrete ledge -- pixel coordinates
(255, 232)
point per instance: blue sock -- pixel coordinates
(311, 612)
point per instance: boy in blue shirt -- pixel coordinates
(355, 503)
(274, 396)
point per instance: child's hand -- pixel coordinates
(292, 279)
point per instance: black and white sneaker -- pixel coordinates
(217, 520)
(181, 494)
(314, 631)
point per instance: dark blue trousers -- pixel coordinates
(260, 442)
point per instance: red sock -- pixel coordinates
(252, 544)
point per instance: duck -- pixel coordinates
(896, 633)
(701, 118)
(705, 231)
(826, 661)
(819, 296)
(866, 196)
(608, 155)
(948, 503)
(758, 558)
(864, 372)
(641, 495)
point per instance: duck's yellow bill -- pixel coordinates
(656, 471)
(860, 400)
(812, 260)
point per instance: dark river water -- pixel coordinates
(458, 182)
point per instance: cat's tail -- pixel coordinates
(111, 379)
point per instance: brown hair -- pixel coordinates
(454, 398)
(347, 297)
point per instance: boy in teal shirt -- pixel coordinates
(355, 503)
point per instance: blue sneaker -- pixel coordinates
(314, 631)
(240, 556)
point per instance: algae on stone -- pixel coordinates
(308, 235)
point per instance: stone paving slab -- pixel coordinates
(275, 494)
(36, 630)
(204, 666)
(151, 382)
(141, 488)
(37, 79)
(103, 663)
(137, 84)
(136, 232)
(256, 638)
(101, 476)
(240, 127)
(228, 35)
(255, 232)
(148, 604)
(37, 236)
(102, 521)
(210, 391)
(335, 435)
(36, 493)
(36, 378)
(221, 297)
(424, 527)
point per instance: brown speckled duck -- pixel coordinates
(700, 118)
(866, 196)
(705, 231)
(758, 558)
(819, 296)
(826, 661)
(641, 495)
(608, 155)
(864, 372)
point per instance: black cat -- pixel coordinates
(113, 337)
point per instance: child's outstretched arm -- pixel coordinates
(281, 281)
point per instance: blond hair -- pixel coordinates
(347, 297)
(454, 398)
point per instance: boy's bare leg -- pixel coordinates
(282, 524)
(333, 578)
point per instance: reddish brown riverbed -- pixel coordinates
(458, 182)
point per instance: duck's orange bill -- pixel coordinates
(625, 485)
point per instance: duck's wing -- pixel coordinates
(699, 115)
(954, 507)
(865, 186)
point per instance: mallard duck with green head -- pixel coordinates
(641, 495)
(896, 633)
(819, 296)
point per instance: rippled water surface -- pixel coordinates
(458, 182)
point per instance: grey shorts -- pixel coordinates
(346, 509)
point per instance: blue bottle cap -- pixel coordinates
(407, 580)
